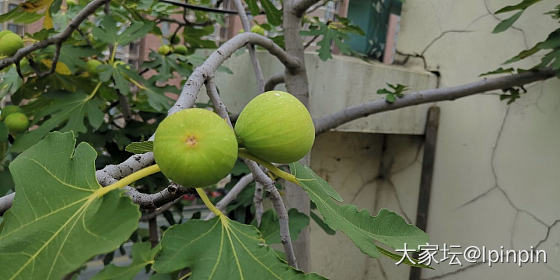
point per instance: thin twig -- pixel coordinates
(199, 8)
(214, 96)
(258, 202)
(232, 194)
(310, 42)
(156, 212)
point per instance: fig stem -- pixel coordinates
(277, 171)
(113, 53)
(208, 203)
(92, 94)
(129, 179)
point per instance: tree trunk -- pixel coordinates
(297, 84)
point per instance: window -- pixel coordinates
(18, 29)
(373, 17)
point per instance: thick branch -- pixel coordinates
(273, 81)
(209, 67)
(58, 38)
(300, 6)
(427, 96)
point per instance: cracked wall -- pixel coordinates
(496, 179)
(372, 171)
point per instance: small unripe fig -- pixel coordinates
(164, 50)
(10, 43)
(195, 147)
(180, 49)
(257, 29)
(17, 122)
(9, 109)
(276, 127)
(91, 66)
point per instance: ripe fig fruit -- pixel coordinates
(164, 50)
(257, 29)
(17, 122)
(180, 49)
(91, 66)
(275, 126)
(10, 43)
(9, 109)
(195, 147)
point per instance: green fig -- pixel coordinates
(276, 127)
(17, 122)
(195, 147)
(9, 109)
(10, 43)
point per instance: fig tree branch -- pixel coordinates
(214, 96)
(280, 208)
(58, 38)
(247, 26)
(6, 202)
(273, 81)
(427, 96)
(209, 67)
(232, 194)
(300, 6)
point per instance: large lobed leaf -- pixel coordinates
(58, 221)
(222, 249)
(362, 228)
(67, 110)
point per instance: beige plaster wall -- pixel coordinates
(496, 179)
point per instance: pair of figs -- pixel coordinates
(197, 148)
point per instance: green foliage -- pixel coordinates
(550, 46)
(387, 227)
(142, 256)
(140, 147)
(59, 213)
(222, 249)
(270, 228)
(332, 32)
(393, 92)
(507, 23)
